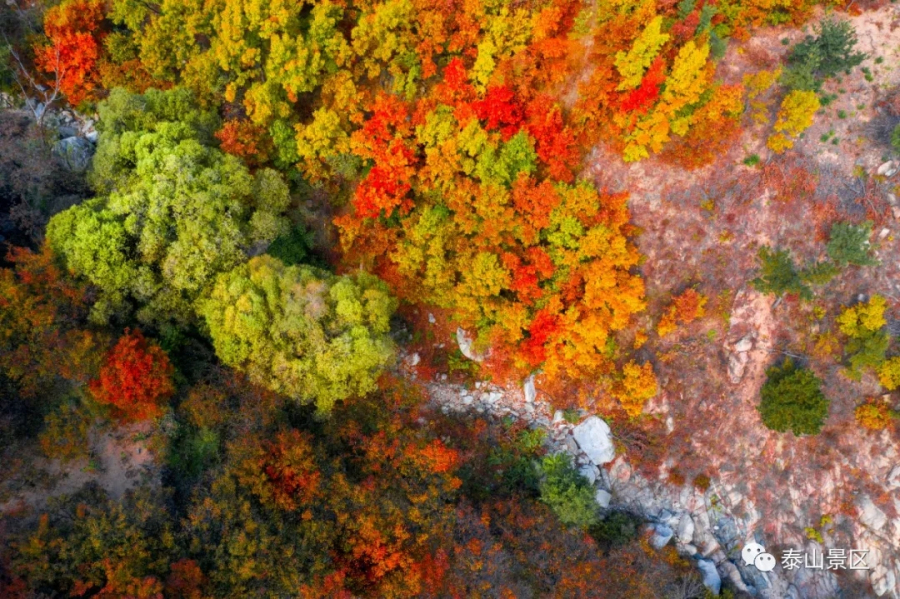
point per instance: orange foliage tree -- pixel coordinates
(686, 308)
(246, 140)
(135, 379)
(43, 333)
(75, 35)
(468, 199)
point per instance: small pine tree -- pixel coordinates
(819, 273)
(567, 492)
(818, 58)
(849, 244)
(792, 400)
(779, 275)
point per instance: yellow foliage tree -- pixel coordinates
(889, 373)
(794, 117)
(757, 84)
(633, 64)
(638, 384)
(873, 416)
(691, 75)
(506, 33)
(862, 319)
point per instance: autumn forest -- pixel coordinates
(447, 298)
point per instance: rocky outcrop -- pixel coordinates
(75, 153)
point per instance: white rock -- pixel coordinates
(603, 498)
(413, 359)
(883, 580)
(888, 169)
(870, 515)
(686, 528)
(744, 345)
(711, 578)
(737, 363)
(662, 534)
(465, 346)
(431, 318)
(558, 417)
(529, 389)
(595, 439)
(893, 479)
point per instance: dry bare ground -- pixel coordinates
(120, 460)
(703, 229)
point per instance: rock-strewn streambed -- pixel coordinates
(708, 526)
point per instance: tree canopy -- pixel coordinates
(300, 331)
(176, 213)
(792, 400)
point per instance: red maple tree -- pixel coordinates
(135, 379)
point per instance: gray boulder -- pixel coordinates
(686, 528)
(588, 472)
(662, 534)
(893, 479)
(603, 498)
(529, 389)
(75, 153)
(711, 578)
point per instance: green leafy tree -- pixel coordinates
(125, 116)
(177, 213)
(569, 495)
(292, 248)
(849, 244)
(792, 400)
(300, 331)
